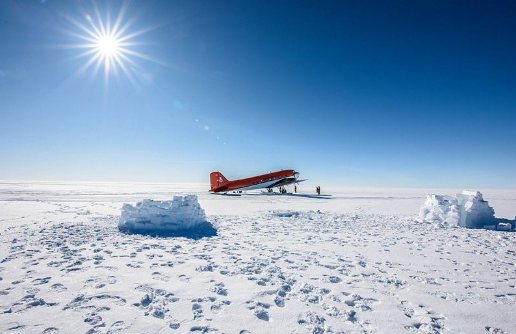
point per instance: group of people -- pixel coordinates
(283, 190)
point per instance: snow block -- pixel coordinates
(148, 216)
(504, 227)
(440, 209)
(476, 212)
(468, 209)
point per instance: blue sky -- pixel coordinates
(352, 93)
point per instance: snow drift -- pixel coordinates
(148, 216)
(468, 209)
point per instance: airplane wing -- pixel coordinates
(285, 182)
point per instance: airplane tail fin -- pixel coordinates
(217, 180)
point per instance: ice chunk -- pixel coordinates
(504, 227)
(182, 213)
(476, 212)
(440, 209)
(467, 209)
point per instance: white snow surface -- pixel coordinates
(353, 261)
(466, 209)
(183, 212)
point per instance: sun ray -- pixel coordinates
(100, 61)
(140, 55)
(85, 54)
(120, 17)
(82, 27)
(126, 26)
(108, 21)
(129, 60)
(83, 37)
(88, 64)
(107, 68)
(136, 33)
(132, 44)
(125, 70)
(77, 46)
(88, 39)
(99, 19)
(96, 32)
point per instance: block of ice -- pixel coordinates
(182, 213)
(504, 227)
(440, 209)
(476, 212)
(467, 209)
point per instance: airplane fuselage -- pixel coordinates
(276, 179)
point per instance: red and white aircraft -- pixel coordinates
(219, 184)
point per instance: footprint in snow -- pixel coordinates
(259, 309)
(312, 320)
(494, 330)
(219, 306)
(203, 329)
(159, 276)
(117, 327)
(358, 302)
(220, 289)
(41, 281)
(58, 287)
(424, 319)
(198, 312)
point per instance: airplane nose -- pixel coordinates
(296, 175)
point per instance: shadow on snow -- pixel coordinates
(276, 194)
(203, 230)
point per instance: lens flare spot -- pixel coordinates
(178, 105)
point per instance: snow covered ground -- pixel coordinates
(352, 260)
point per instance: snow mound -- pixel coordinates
(182, 213)
(468, 209)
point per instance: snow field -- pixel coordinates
(277, 264)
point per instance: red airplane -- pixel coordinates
(219, 184)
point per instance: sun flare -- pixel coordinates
(108, 45)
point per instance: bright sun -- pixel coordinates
(107, 44)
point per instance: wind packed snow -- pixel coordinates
(182, 213)
(468, 209)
